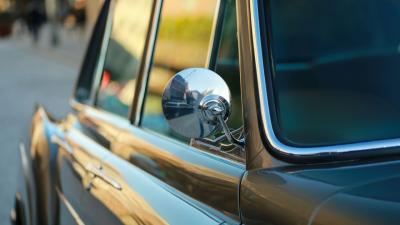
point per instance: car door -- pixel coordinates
(120, 164)
(200, 174)
(61, 198)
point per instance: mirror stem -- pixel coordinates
(237, 142)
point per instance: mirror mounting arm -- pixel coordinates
(219, 112)
(232, 139)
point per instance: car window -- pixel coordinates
(166, 65)
(84, 85)
(124, 54)
(183, 40)
(227, 62)
(336, 71)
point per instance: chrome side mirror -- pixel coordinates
(196, 104)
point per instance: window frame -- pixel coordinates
(146, 56)
(98, 73)
(213, 47)
(137, 106)
(136, 109)
(86, 72)
(340, 152)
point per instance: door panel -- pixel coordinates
(143, 198)
(44, 153)
(114, 173)
(103, 188)
(203, 180)
(207, 180)
(68, 196)
(77, 152)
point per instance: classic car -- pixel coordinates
(224, 112)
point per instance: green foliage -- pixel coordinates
(186, 28)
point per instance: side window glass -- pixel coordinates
(124, 54)
(227, 62)
(84, 86)
(183, 40)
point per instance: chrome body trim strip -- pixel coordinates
(30, 185)
(61, 143)
(70, 208)
(299, 152)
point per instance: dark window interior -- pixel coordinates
(336, 70)
(86, 75)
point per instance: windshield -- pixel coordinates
(336, 72)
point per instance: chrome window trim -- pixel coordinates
(102, 57)
(213, 42)
(136, 112)
(368, 148)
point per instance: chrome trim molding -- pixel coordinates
(30, 185)
(61, 143)
(102, 57)
(70, 208)
(307, 152)
(212, 41)
(147, 64)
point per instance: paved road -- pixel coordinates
(28, 75)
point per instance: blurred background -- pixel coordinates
(42, 43)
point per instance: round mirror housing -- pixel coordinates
(193, 102)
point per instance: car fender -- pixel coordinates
(25, 199)
(43, 154)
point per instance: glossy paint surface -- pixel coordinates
(93, 167)
(124, 192)
(349, 194)
(274, 191)
(204, 180)
(43, 153)
(137, 181)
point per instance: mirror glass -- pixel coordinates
(187, 95)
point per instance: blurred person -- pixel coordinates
(20, 26)
(75, 16)
(35, 18)
(80, 13)
(52, 14)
